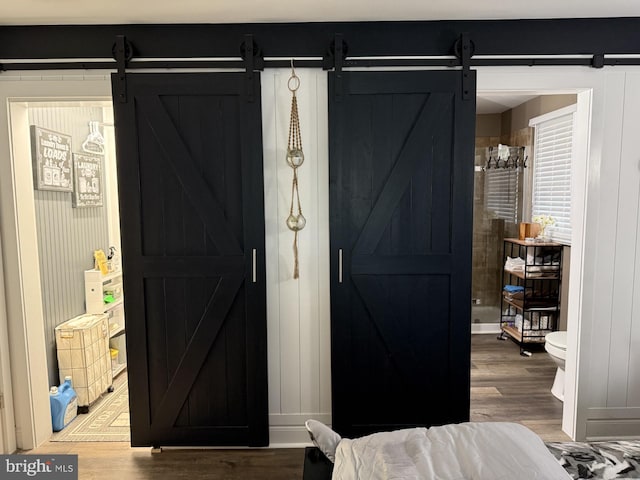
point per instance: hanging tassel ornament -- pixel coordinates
(295, 158)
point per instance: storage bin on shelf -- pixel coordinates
(83, 354)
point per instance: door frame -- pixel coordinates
(30, 410)
(589, 86)
(7, 435)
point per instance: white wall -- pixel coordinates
(606, 365)
(612, 298)
(67, 236)
(603, 397)
(297, 310)
(603, 361)
(111, 178)
(7, 431)
(604, 300)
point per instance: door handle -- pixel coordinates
(339, 265)
(254, 274)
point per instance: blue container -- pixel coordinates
(64, 405)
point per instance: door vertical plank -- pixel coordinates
(129, 201)
(253, 212)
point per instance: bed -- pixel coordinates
(466, 451)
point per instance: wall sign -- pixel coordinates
(51, 152)
(87, 174)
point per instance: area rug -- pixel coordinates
(107, 420)
(598, 460)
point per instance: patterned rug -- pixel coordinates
(107, 420)
(598, 460)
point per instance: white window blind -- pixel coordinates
(501, 193)
(553, 150)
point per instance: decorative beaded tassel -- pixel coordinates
(295, 158)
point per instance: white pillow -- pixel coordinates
(324, 438)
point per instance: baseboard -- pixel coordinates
(289, 437)
(613, 424)
(481, 328)
(288, 431)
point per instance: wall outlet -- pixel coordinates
(476, 301)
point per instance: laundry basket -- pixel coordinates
(83, 354)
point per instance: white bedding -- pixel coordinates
(467, 451)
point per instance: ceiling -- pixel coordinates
(498, 102)
(49, 12)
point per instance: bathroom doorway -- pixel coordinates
(507, 386)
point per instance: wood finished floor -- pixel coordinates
(508, 387)
(504, 387)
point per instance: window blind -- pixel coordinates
(553, 147)
(501, 193)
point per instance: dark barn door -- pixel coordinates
(401, 192)
(192, 221)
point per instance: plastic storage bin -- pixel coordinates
(64, 405)
(83, 354)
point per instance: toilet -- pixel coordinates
(555, 343)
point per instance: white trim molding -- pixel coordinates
(485, 328)
(613, 424)
(551, 115)
(288, 431)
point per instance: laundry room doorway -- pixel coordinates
(62, 195)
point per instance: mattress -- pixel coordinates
(468, 451)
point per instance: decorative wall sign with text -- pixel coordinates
(87, 175)
(51, 152)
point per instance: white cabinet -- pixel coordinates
(104, 294)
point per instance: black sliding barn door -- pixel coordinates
(192, 221)
(401, 171)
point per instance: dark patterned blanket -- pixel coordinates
(589, 461)
(599, 460)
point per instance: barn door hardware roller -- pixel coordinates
(253, 60)
(598, 60)
(122, 52)
(464, 49)
(335, 58)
